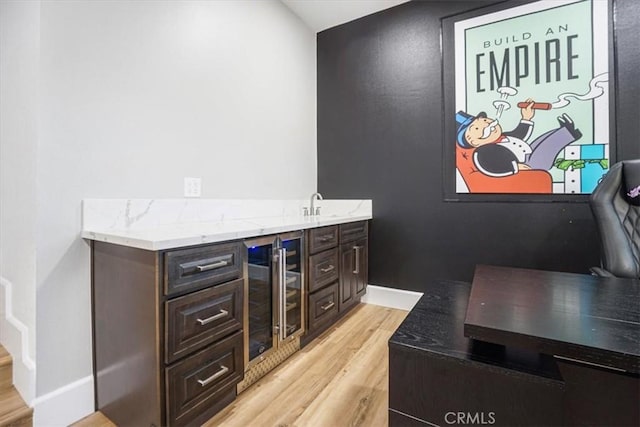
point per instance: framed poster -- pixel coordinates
(528, 100)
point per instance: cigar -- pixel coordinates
(536, 105)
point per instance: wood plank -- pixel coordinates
(13, 410)
(6, 369)
(97, 419)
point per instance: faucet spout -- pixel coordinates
(313, 210)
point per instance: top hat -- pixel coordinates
(464, 120)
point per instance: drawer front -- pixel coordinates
(353, 230)
(200, 318)
(191, 269)
(322, 238)
(323, 307)
(196, 384)
(323, 269)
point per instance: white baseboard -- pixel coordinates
(15, 339)
(65, 405)
(390, 297)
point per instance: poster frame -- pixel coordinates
(447, 51)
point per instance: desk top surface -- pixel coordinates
(582, 317)
(434, 327)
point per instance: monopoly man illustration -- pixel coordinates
(531, 98)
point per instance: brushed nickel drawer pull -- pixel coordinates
(325, 238)
(223, 370)
(212, 318)
(212, 266)
(356, 263)
(328, 306)
(328, 269)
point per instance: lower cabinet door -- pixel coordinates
(195, 385)
(362, 275)
(354, 265)
(323, 307)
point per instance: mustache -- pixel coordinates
(489, 128)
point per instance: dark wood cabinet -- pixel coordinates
(168, 332)
(187, 270)
(322, 238)
(323, 307)
(354, 264)
(322, 283)
(170, 326)
(323, 269)
(338, 271)
(195, 320)
(205, 382)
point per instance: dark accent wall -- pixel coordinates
(380, 133)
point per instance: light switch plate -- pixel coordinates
(192, 187)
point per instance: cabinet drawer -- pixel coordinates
(323, 269)
(323, 307)
(322, 238)
(195, 384)
(198, 319)
(191, 269)
(353, 230)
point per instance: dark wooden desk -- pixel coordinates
(438, 376)
(577, 316)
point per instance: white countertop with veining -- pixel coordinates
(174, 223)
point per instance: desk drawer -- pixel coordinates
(353, 231)
(322, 238)
(323, 307)
(198, 319)
(195, 384)
(191, 269)
(323, 269)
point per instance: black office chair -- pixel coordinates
(615, 204)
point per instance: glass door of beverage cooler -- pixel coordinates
(291, 298)
(260, 301)
(274, 293)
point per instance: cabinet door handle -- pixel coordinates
(326, 237)
(283, 293)
(223, 370)
(212, 318)
(327, 306)
(211, 266)
(328, 269)
(356, 269)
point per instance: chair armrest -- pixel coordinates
(600, 272)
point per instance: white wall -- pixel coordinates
(134, 96)
(19, 58)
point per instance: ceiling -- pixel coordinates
(322, 14)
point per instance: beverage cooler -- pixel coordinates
(274, 294)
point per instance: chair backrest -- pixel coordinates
(615, 204)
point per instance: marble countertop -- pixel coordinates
(174, 223)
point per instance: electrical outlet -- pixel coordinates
(192, 187)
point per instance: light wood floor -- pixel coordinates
(340, 379)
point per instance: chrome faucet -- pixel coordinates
(314, 210)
